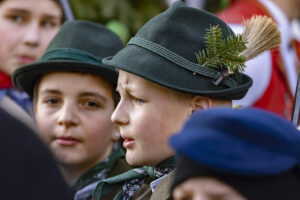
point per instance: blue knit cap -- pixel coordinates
(248, 142)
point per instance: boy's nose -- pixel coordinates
(32, 34)
(67, 117)
(119, 116)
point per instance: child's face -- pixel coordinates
(26, 28)
(73, 113)
(205, 188)
(147, 115)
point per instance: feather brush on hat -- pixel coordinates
(260, 34)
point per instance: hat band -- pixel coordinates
(180, 61)
(70, 54)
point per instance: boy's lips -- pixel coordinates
(128, 142)
(26, 59)
(67, 140)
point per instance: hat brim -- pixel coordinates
(26, 76)
(146, 64)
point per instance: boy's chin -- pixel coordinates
(139, 160)
(134, 160)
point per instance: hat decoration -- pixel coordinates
(163, 52)
(261, 33)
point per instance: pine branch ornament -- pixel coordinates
(260, 34)
(221, 52)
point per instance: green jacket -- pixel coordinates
(161, 192)
(115, 165)
(120, 167)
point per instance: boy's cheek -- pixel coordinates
(44, 133)
(34, 108)
(45, 125)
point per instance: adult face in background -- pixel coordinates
(26, 28)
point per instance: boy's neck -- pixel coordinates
(71, 173)
(220, 102)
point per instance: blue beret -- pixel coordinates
(241, 141)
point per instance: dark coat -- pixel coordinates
(28, 170)
(16, 111)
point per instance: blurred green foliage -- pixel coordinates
(124, 17)
(215, 6)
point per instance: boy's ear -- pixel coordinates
(201, 103)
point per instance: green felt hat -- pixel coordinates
(79, 46)
(163, 51)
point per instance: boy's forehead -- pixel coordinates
(26, 7)
(131, 81)
(137, 85)
(58, 74)
(60, 78)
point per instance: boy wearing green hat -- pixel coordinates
(74, 97)
(161, 82)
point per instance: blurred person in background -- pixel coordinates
(236, 154)
(274, 72)
(26, 28)
(28, 170)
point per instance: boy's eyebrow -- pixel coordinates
(26, 12)
(92, 94)
(18, 10)
(52, 91)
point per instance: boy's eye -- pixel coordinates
(52, 101)
(17, 18)
(139, 101)
(91, 104)
(48, 24)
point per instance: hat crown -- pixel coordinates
(185, 28)
(86, 36)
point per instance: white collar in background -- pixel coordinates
(281, 19)
(289, 58)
